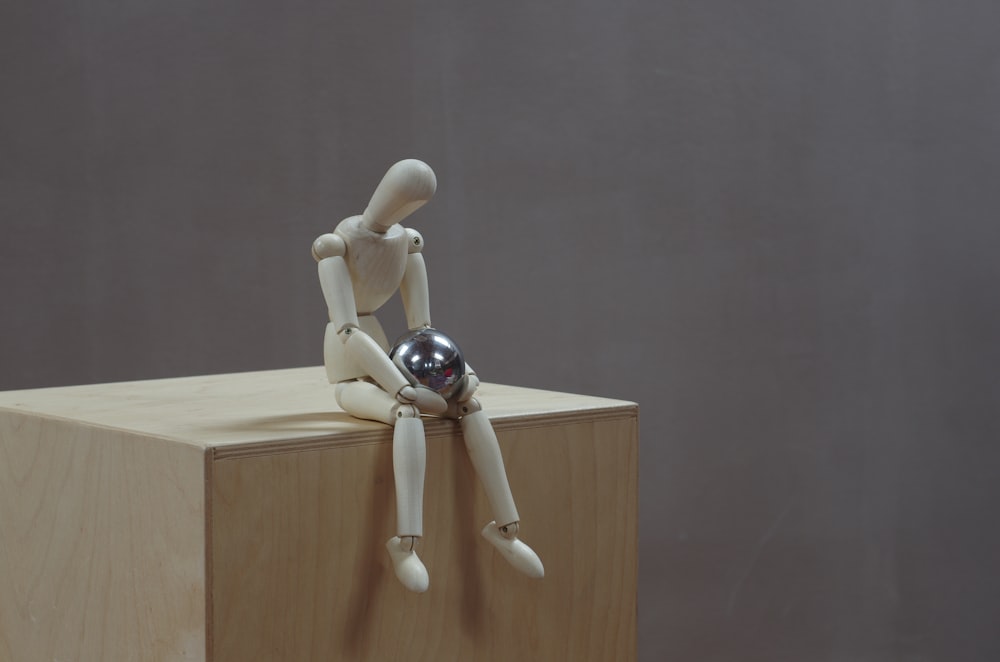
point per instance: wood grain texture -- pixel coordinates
(300, 572)
(101, 544)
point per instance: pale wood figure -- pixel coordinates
(361, 265)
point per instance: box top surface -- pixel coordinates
(254, 411)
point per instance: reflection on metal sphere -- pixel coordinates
(429, 358)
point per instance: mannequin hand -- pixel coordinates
(430, 402)
(468, 388)
(407, 395)
(425, 399)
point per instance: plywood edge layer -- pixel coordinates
(433, 428)
(209, 523)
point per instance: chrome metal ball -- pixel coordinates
(429, 358)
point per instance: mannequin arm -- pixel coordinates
(335, 279)
(414, 290)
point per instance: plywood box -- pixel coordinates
(236, 518)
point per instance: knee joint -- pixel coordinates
(406, 411)
(471, 406)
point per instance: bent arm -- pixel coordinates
(335, 279)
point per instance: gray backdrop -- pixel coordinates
(772, 224)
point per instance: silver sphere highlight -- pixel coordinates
(431, 359)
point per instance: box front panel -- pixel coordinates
(300, 571)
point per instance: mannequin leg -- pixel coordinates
(484, 451)
(409, 458)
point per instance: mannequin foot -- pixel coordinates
(516, 552)
(410, 571)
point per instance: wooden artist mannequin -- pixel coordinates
(361, 265)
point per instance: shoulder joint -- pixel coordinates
(328, 245)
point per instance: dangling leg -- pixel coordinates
(481, 442)
(409, 458)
